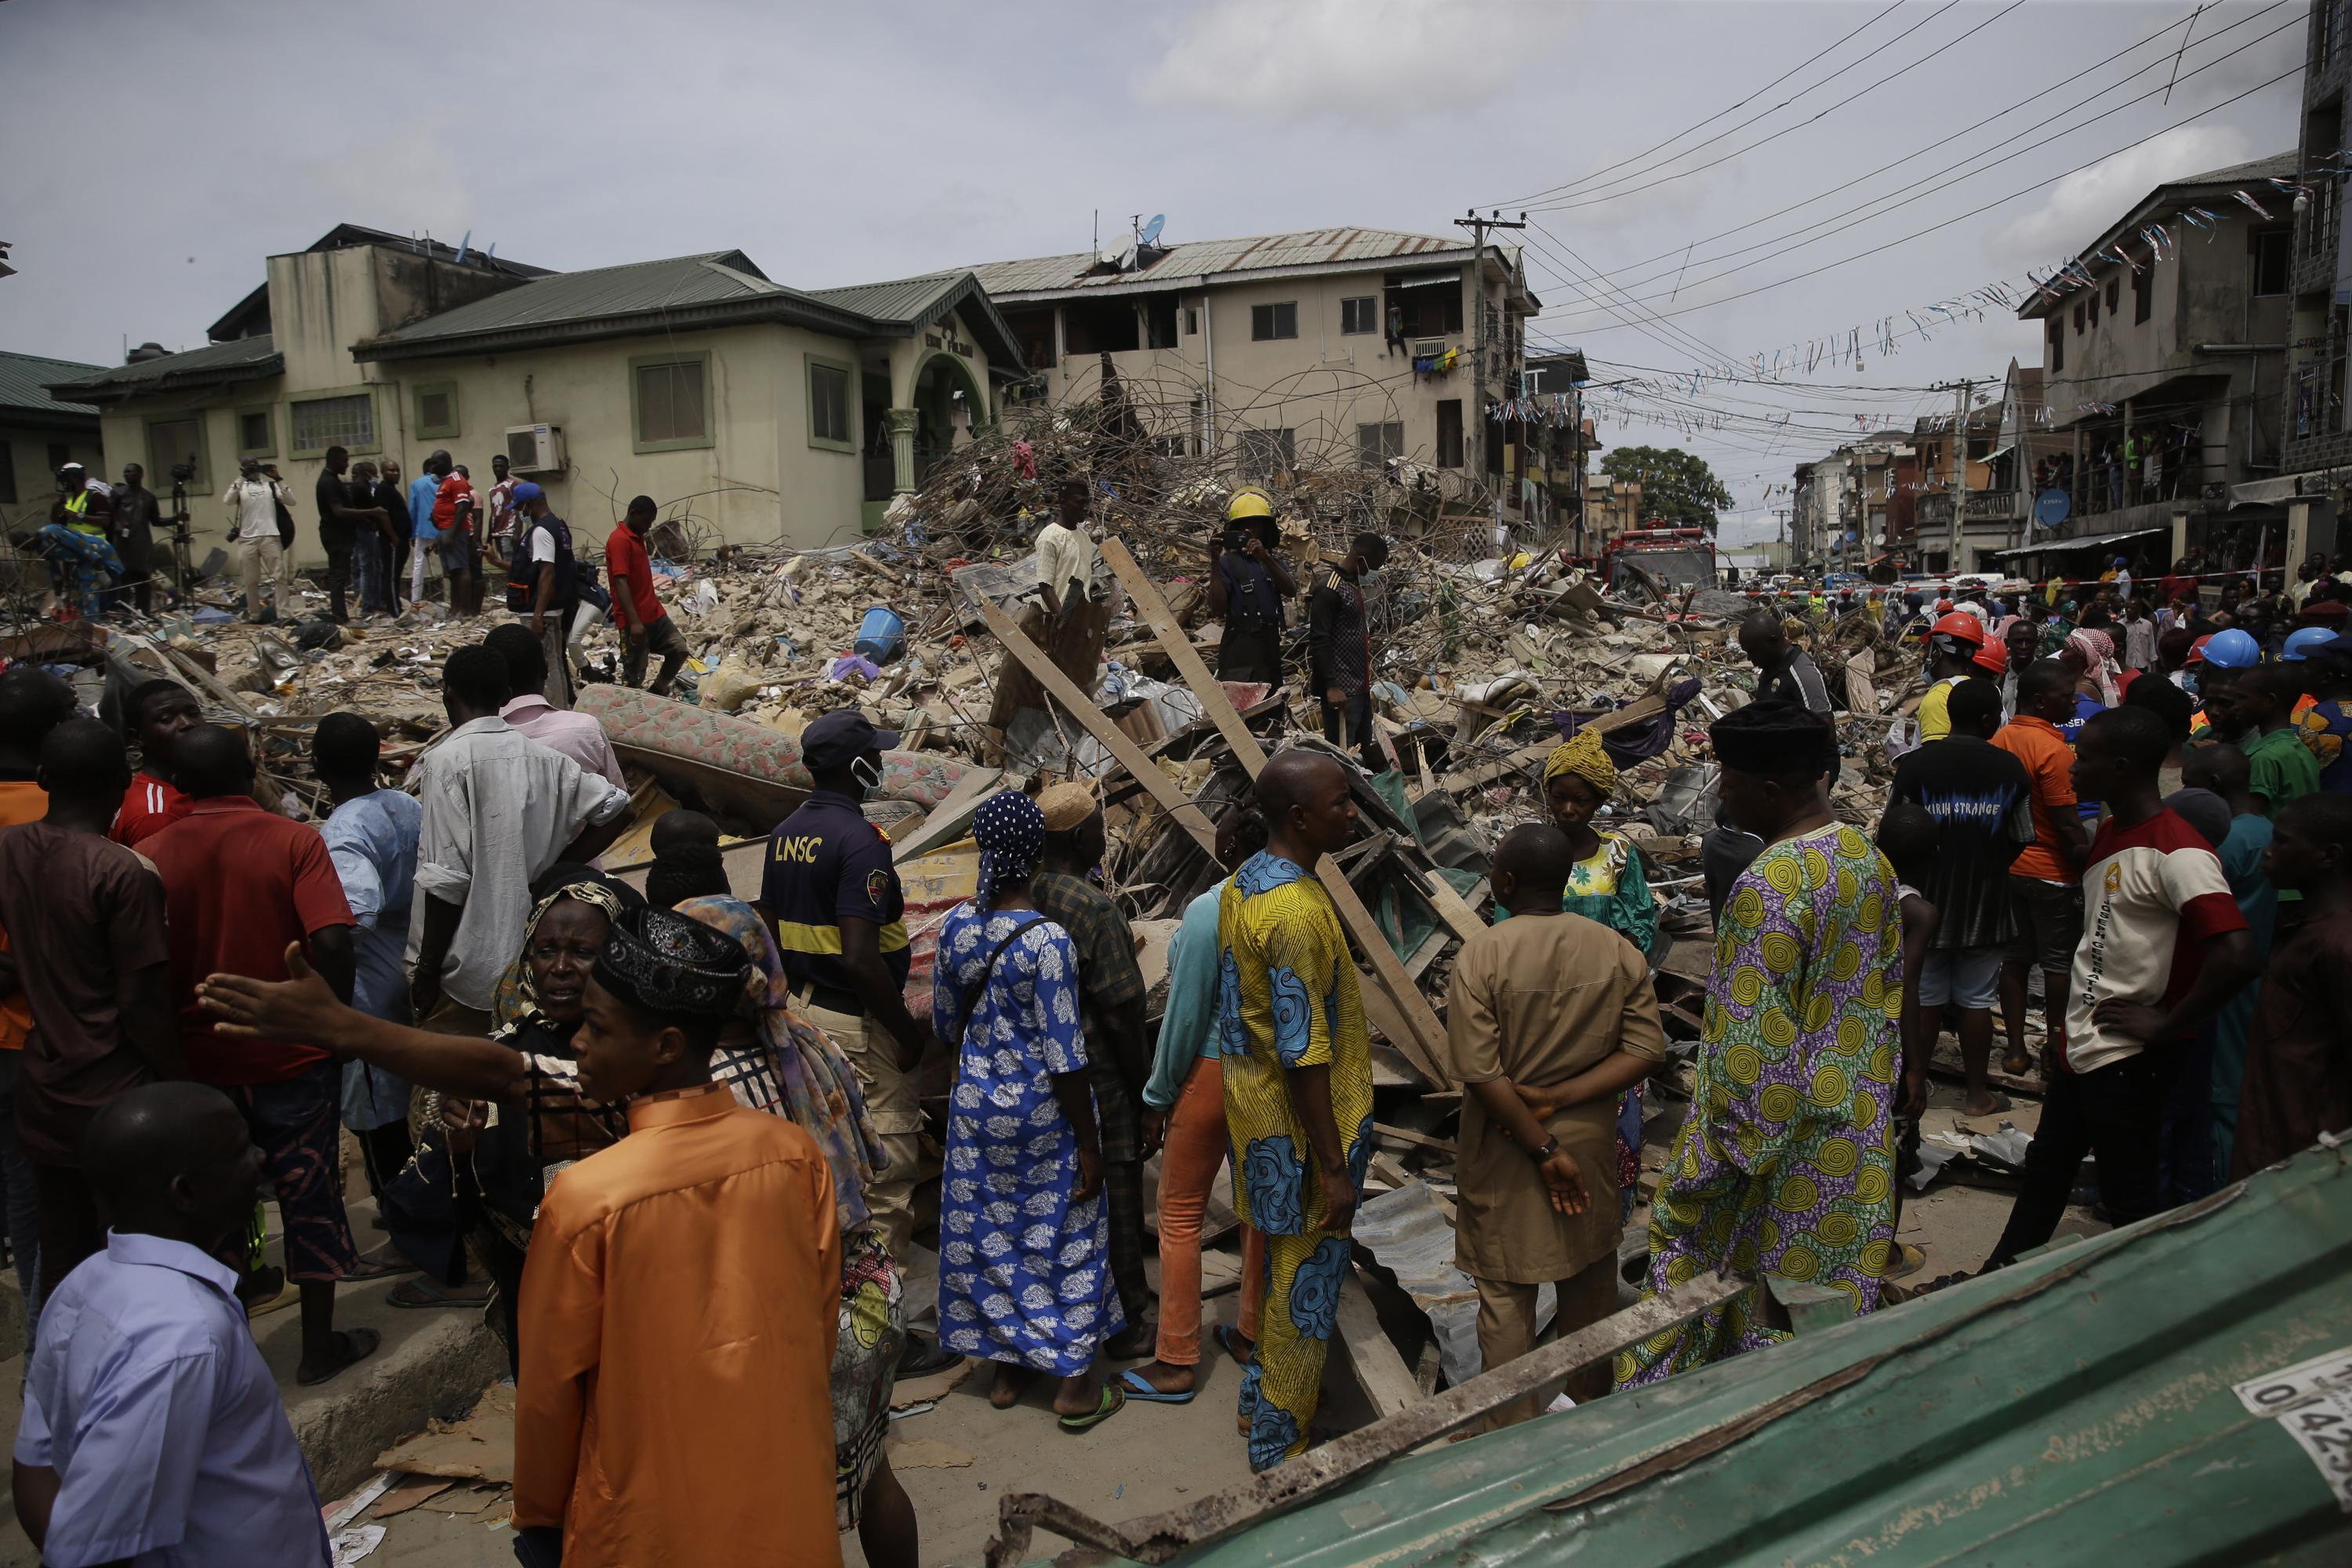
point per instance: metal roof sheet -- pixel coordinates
(2076, 1409)
(240, 359)
(636, 287)
(26, 379)
(901, 299)
(1207, 257)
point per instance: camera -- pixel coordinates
(183, 472)
(1238, 535)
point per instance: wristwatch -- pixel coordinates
(1550, 1147)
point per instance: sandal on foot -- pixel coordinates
(426, 1292)
(1134, 1385)
(1228, 1337)
(380, 1265)
(351, 1345)
(1113, 1399)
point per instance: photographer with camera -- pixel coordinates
(254, 499)
(1247, 585)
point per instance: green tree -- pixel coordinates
(1676, 487)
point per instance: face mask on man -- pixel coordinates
(868, 772)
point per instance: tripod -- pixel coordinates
(181, 569)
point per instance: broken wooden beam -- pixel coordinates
(1387, 1384)
(1411, 1024)
(1163, 1537)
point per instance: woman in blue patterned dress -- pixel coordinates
(1024, 1278)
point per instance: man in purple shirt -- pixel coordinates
(151, 1430)
(577, 735)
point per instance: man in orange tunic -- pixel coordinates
(681, 1296)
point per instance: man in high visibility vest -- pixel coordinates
(81, 558)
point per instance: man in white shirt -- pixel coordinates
(253, 499)
(577, 735)
(499, 809)
(1070, 626)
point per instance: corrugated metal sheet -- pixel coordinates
(638, 287)
(237, 357)
(24, 381)
(901, 299)
(1311, 247)
(2074, 1409)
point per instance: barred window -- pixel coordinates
(323, 422)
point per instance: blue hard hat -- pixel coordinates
(2300, 643)
(2233, 649)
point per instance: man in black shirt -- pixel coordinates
(1785, 672)
(1339, 647)
(135, 516)
(1982, 802)
(339, 525)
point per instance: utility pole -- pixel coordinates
(1962, 393)
(1478, 226)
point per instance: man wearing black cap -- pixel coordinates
(834, 895)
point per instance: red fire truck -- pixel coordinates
(1676, 559)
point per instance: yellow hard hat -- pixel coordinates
(1248, 502)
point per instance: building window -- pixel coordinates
(1100, 326)
(1033, 330)
(347, 419)
(2113, 285)
(1191, 320)
(2057, 348)
(7, 473)
(1264, 453)
(1159, 320)
(1449, 433)
(2272, 248)
(2094, 307)
(437, 408)
(828, 384)
(1360, 315)
(1270, 321)
(1428, 310)
(1376, 443)
(2144, 292)
(171, 441)
(669, 395)
(2078, 318)
(257, 432)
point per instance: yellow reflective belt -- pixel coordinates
(798, 936)
(894, 936)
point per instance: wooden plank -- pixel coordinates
(1114, 739)
(1387, 1384)
(1407, 1135)
(1412, 1026)
(952, 817)
(1641, 710)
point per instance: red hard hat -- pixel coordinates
(1993, 656)
(2196, 650)
(1956, 625)
(1943, 606)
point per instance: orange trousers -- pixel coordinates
(1196, 1145)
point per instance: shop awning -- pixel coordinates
(2093, 542)
(2287, 486)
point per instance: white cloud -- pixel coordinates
(2082, 207)
(1369, 60)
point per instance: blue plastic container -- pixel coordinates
(881, 635)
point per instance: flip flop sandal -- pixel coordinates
(361, 1342)
(425, 1291)
(1134, 1385)
(1113, 1399)
(1227, 1337)
(364, 1272)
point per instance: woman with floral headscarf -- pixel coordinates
(1606, 885)
(776, 1061)
(1024, 1232)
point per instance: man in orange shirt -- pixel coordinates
(2045, 879)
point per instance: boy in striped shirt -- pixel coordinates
(156, 712)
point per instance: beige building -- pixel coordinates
(753, 412)
(1276, 348)
(41, 433)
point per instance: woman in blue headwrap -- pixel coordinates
(1023, 1235)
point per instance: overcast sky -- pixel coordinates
(164, 149)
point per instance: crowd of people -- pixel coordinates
(570, 1095)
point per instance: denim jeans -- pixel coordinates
(373, 570)
(22, 1204)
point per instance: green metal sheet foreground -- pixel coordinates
(2077, 1408)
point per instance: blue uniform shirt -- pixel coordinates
(421, 491)
(825, 860)
(148, 1397)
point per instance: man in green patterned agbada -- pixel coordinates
(1786, 1162)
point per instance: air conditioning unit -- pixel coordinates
(535, 449)
(1428, 348)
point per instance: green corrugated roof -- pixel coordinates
(719, 287)
(241, 359)
(2074, 1410)
(26, 379)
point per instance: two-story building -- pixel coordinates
(753, 411)
(2164, 358)
(1354, 345)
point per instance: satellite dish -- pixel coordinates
(1150, 235)
(1119, 258)
(2051, 506)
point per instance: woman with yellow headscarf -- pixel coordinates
(1607, 884)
